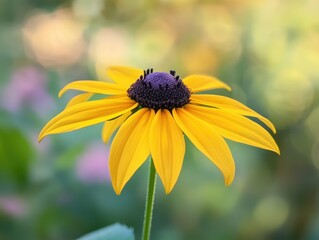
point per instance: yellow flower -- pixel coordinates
(152, 111)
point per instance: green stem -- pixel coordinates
(149, 204)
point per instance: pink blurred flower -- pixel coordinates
(92, 166)
(13, 206)
(27, 87)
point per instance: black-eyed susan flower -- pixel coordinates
(153, 111)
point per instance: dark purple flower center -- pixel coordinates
(159, 90)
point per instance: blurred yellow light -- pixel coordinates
(109, 46)
(54, 39)
(220, 28)
(288, 95)
(153, 41)
(85, 8)
(315, 154)
(305, 55)
(200, 58)
(271, 213)
(312, 123)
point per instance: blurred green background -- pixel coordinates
(267, 51)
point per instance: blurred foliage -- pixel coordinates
(113, 232)
(268, 51)
(15, 156)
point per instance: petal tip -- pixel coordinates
(168, 190)
(273, 129)
(40, 138)
(228, 88)
(104, 140)
(42, 134)
(229, 180)
(277, 150)
(109, 69)
(117, 191)
(117, 188)
(62, 91)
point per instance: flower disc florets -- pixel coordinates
(159, 90)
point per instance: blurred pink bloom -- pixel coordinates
(27, 87)
(92, 166)
(13, 206)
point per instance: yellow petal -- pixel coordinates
(208, 141)
(235, 127)
(198, 83)
(79, 99)
(125, 76)
(167, 148)
(111, 125)
(130, 148)
(231, 104)
(94, 87)
(86, 114)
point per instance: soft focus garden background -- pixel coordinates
(267, 51)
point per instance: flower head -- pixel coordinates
(153, 111)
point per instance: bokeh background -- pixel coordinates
(267, 51)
